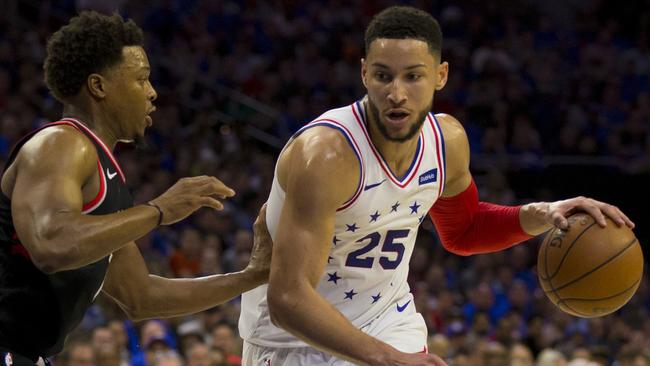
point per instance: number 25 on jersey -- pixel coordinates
(390, 245)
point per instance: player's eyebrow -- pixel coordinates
(380, 65)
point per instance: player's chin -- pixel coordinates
(138, 133)
(400, 137)
(144, 125)
(401, 134)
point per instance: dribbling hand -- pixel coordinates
(556, 213)
(190, 194)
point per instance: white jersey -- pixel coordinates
(374, 235)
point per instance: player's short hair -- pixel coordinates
(405, 22)
(90, 43)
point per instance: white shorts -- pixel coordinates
(406, 331)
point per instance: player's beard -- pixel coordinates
(415, 128)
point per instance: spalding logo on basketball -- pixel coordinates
(587, 270)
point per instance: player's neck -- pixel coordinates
(398, 155)
(94, 121)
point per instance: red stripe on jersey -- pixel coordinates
(100, 195)
(19, 249)
(438, 153)
(106, 149)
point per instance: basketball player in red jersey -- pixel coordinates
(67, 220)
(337, 292)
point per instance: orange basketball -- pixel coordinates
(587, 270)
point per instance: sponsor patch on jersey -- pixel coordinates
(429, 176)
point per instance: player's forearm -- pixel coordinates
(65, 241)
(309, 317)
(171, 297)
(466, 226)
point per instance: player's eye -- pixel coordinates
(381, 76)
(414, 77)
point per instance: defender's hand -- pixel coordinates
(190, 194)
(260, 262)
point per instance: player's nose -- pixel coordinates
(396, 92)
(152, 94)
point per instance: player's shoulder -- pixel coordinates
(329, 136)
(61, 133)
(319, 157)
(450, 126)
(56, 142)
(324, 145)
(456, 142)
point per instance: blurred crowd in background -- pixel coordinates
(532, 81)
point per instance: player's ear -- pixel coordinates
(364, 72)
(96, 85)
(441, 77)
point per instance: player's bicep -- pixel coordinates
(301, 246)
(44, 192)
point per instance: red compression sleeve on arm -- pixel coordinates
(467, 226)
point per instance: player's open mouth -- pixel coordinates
(397, 117)
(148, 119)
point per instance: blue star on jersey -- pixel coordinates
(376, 298)
(352, 227)
(350, 294)
(394, 207)
(374, 216)
(414, 208)
(334, 277)
(335, 240)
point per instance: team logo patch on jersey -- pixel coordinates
(429, 176)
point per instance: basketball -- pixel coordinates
(587, 270)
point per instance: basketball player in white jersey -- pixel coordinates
(351, 189)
